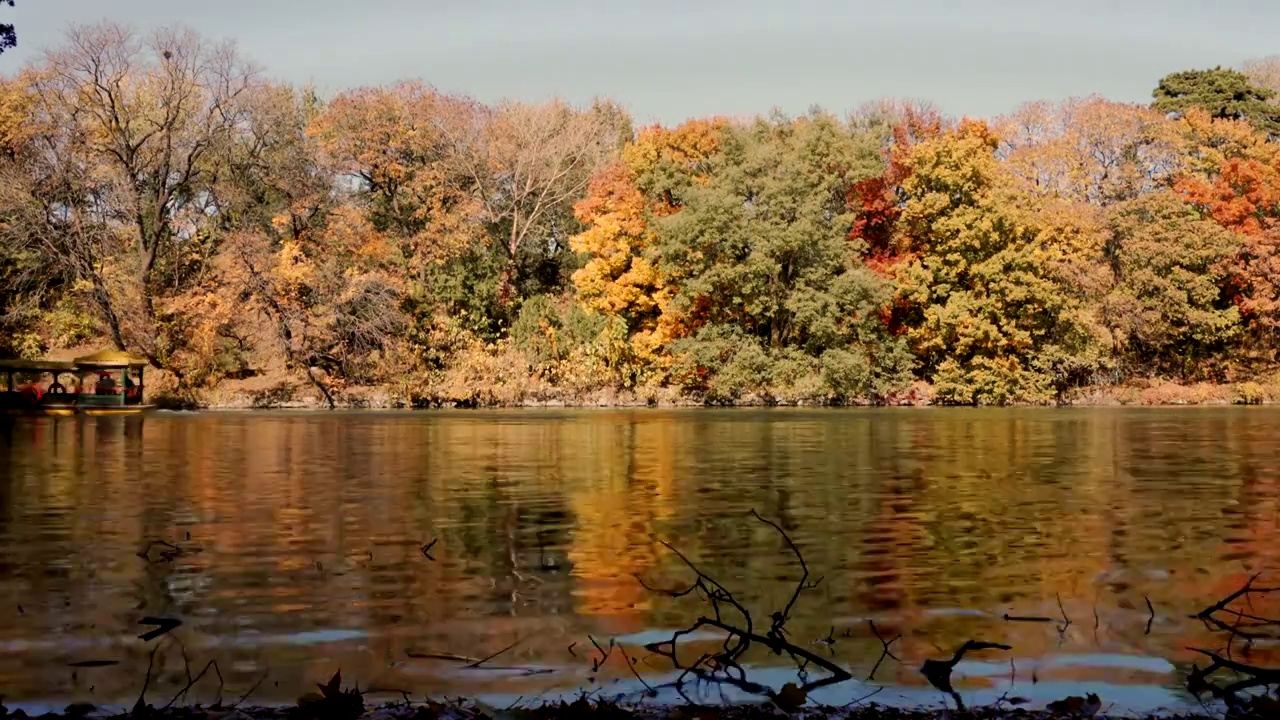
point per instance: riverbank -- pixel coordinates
(294, 395)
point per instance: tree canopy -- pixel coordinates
(159, 194)
(1223, 93)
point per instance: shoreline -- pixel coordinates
(1160, 396)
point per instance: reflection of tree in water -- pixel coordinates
(8, 477)
(619, 497)
(886, 547)
(904, 513)
(520, 548)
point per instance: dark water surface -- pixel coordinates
(300, 540)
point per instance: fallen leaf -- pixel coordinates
(1076, 705)
(332, 688)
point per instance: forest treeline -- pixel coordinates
(158, 194)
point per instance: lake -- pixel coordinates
(291, 545)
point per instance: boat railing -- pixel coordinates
(114, 399)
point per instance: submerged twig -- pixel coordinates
(191, 682)
(140, 706)
(604, 654)
(163, 627)
(426, 549)
(630, 664)
(1024, 618)
(252, 689)
(864, 698)
(472, 663)
(1066, 621)
(885, 650)
(486, 659)
(168, 551)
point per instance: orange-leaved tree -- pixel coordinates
(1235, 180)
(621, 278)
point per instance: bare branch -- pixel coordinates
(885, 650)
(724, 666)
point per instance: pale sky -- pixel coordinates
(667, 60)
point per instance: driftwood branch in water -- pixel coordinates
(1024, 618)
(1244, 625)
(472, 663)
(487, 658)
(938, 672)
(1199, 681)
(733, 618)
(884, 649)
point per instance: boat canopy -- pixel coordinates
(37, 365)
(104, 360)
(110, 359)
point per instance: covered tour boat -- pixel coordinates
(104, 383)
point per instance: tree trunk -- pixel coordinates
(328, 396)
(109, 313)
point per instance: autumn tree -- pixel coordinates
(1090, 150)
(1236, 182)
(1222, 92)
(877, 200)
(390, 141)
(526, 166)
(769, 282)
(620, 278)
(133, 132)
(1166, 309)
(996, 294)
(332, 272)
(1264, 73)
(395, 146)
(28, 286)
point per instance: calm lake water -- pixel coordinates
(299, 540)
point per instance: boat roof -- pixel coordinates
(37, 365)
(110, 358)
(98, 360)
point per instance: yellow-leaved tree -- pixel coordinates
(620, 278)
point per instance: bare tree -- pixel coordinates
(134, 132)
(1264, 73)
(528, 164)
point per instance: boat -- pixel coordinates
(104, 383)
